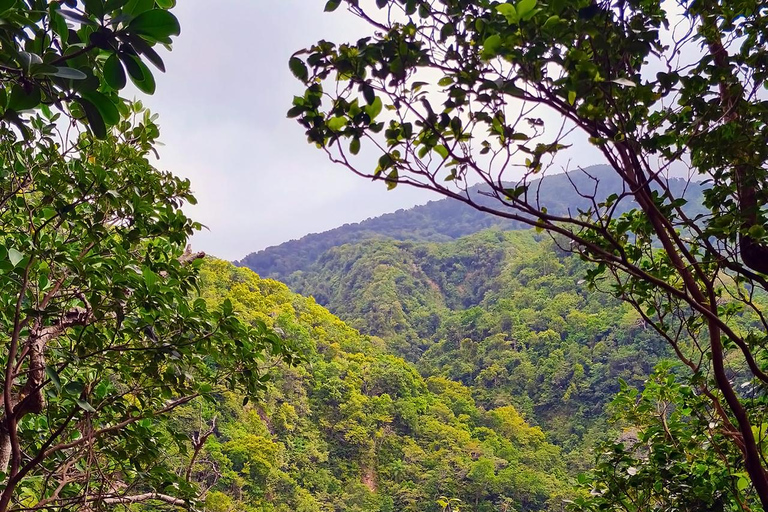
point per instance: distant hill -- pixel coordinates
(505, 313)
(445, 220)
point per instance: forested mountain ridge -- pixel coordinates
(354, 428)
(447, 219)
(505, 313)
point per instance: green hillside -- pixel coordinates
(505, 313)
(356, 429)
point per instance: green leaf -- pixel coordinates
(136, 7)
(369, 94)
(70, 73)
(106, 108)
(24, 100)
(15, 256)
(94, 7)
(140, 74)
(95, 121)
(375, 108)
(337, 123)
(155, 23)
(151, 55)
(354, 146)
(74, 388)
(114, 73)
(491, 46)
(441, 150)
(85, 406)
(446, 80)
(571, 97)
(526, 9)
(332, 5)
(509, 12)
(296, 111)
(131, 63)
(54, 376)
(299, 69)
(552, 21)
(756, 231)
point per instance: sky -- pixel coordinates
(222, 105)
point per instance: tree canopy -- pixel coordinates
(102, 332)
(446, 93)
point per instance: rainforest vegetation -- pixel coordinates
(592, 340)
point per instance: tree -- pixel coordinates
(102, 335)
(447, 93)
(668, 457)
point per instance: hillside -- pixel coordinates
(447, 219)
(356, 429)
(503, 312)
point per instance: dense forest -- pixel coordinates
(539, 341)
(355, 428)
(506, 313)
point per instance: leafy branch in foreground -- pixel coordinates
(448, 93)
(76, 57)
(102, 336)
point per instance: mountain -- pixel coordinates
(479, 300)
(357, 429)
(505, 313)
(448, 219)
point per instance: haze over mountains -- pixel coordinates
(448, 219)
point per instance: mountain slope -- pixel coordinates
(502, 312)
(448, 219)
(359, 430)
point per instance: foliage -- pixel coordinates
(357, 429)
(75, 56)
(672, 455)
(444, 220)
(101, 331)
(446, 93)
(505, 313)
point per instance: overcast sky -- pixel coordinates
(222, 107)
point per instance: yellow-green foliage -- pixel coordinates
(355, 429)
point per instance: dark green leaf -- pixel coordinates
(94, 7)
(106, 107)
(74, 388)
(71, 73)
(95, 120)
(85, 406)
(54, 376)
(152, 56)
(299, 69)
(140, 74)
(155, 23)
(114, 74)
(24, 100)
